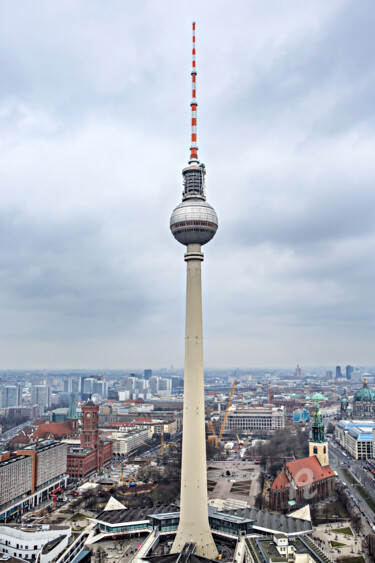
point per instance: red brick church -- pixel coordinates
(306, 480)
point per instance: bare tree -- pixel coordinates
(368, 546)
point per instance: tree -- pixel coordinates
(330, 428)
(368, 546)
(101, 555)
(356, 523)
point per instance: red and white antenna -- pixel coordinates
(194, 146)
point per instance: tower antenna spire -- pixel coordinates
(194, 146)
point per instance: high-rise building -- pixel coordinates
(11, 396)
(72, 385)
(194, 223)
(338, 372)
(147, 374)
(41, 395)
(298, 372)
(348, 372)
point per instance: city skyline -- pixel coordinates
(93, 140)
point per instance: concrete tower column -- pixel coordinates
(194, 524)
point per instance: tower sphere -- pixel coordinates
(194, 221)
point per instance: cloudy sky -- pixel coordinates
(94, 110)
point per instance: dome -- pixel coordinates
(344, 400)
(366, 394)
(194, 221)
(318, 397)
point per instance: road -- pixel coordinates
(8, 435)
(337, 461)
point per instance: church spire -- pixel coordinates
(317, 429)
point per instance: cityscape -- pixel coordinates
(218, 410)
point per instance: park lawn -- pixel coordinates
(78, 516)
(332, 509)
(352, 480)
(366, 497)
(337, 544)
(362, 491)
(347, 531)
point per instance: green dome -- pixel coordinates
(344, 400)
(318, 397)
(366, 394)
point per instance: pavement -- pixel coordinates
(241, 472)
(323, 535)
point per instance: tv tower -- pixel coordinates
(194, 223)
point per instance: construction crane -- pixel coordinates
(164, 446)
(218, 438)
(240, 442)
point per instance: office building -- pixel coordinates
(29, 475)
(348, 372)
(265, 418)
(147, 374)
(41, 395)
(11, 396)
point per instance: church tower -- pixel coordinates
(318, 445)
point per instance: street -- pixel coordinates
(337, 461)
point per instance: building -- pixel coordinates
(301, 415)
(72, 385)
(11, 396)
(364, 403)
(42, 543)
(281, 549)
(24, 411)
(348, 372)
(338, 372)
(93, 452)
(305, 479)
(194, 223)
(41, 395)
(126, 442)
(265, 418)
(29, 475)
(147, 374)
(356, 437)
(118, 521)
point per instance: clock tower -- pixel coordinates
(90, 426)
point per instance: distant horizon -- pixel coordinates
(361, 367)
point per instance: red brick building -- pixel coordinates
(94, 452)
(309, 479)
(303, 480)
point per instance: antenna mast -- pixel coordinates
(194, 146)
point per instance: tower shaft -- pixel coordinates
(194, 526)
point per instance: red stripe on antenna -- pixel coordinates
(193, 148)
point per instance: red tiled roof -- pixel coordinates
(20, 438)
(281, 481)
(308, 470)
(55, 428)
(304, 472)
